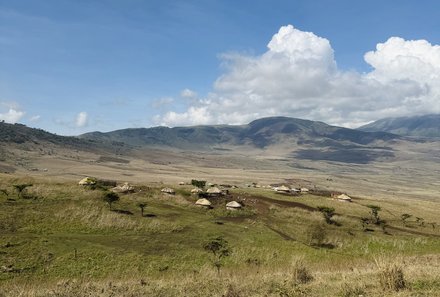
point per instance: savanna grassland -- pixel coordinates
(62, 239)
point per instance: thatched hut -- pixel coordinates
(168, 191)
(283, 188)
(203, 203)
(87, 181)
(196, 191)
(233, 205)
(125, 188)
(214, 191)
(344, 198)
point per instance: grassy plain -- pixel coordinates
(65, 241)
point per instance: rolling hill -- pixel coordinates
(295, 138)
(259, 133)
(421, 126)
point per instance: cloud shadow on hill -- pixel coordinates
(355, 156)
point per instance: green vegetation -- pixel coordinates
(375, 213)
(328, 213)
(69, 243)
(198, 183)
(220, 249)
(20, 189)
(142, 206)
(110, 197)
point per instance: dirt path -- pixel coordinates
(285, 203)
(412, 231)
(280, 233)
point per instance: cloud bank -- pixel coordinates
(10, 112)
(298, 76)
(12, 116)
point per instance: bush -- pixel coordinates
(301, 273)
(198, 183)
(316, 234)
(110, 197)
(391, 276)
(328, 213)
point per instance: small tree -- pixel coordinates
(219, 248)
(375, 213)
(142, 205)
(328, 213)
(405, 217)
(111, 197)
(198, 183)
(20, 188)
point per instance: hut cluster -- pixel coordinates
(286, 189)
(233, 205)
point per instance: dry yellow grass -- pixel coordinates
(262, 260)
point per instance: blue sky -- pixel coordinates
(73, 66)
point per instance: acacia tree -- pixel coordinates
(375, 213)
(21, 189)
(220, 249)
(142, 205)
(110, 197)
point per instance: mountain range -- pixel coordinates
(260, 133)
(295, 138)
(421, 126)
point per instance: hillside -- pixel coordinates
(29, 138)
(62, 239)
(306, 139)
(420, 126)
(260, 133)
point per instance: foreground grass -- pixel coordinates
(66, 242)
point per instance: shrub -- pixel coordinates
(198, 183)
(21, 189)
(301, 273)
(375, 213)
(404, 217)
(328, 213)
(316, 234)
(391, 276)
(110, 197)
(219, 247)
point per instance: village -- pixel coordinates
(207, 193)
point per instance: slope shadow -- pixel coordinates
(356, 156)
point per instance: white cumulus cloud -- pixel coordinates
(81, 119)
(298, 76)
(12, 116)
(187, 93)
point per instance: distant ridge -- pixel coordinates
(259, 133)
(421, 126)
(294, 138)
(29, 138)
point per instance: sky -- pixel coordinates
(75, 66)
